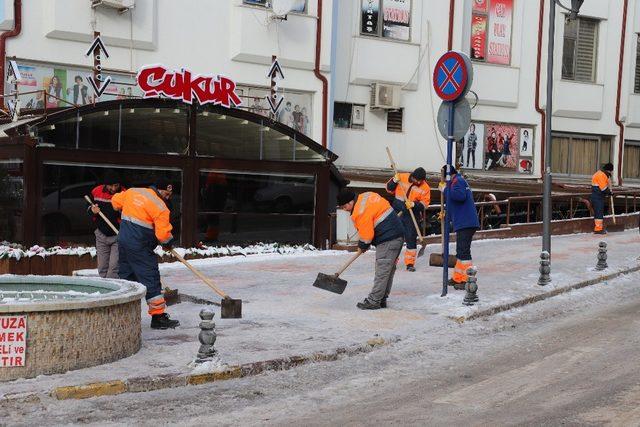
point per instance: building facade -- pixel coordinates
(394, 44)
(241, 173)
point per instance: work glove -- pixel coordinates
(95, 209)
(168, 246)
(442, 186)
(364, 247)
(409, 204)
(396, 178)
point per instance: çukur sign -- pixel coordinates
(156, 81)
(13, 341)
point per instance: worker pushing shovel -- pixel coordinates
(412, 197)
(378, 225)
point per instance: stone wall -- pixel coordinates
(59, 341)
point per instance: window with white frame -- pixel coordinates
(491, 24)
(580, 48)
(390, 19)
(348, 116)
(299, 6)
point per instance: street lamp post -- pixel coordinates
(547, 178)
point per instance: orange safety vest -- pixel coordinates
(600, 180)
(369, 211)
(415, 193)
(143, 207)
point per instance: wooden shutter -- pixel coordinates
(586, 49)
(394, 120)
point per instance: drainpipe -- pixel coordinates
(539, 109)
(619, 95)
(323, 79)
(17, 27)
(452, 10)
(332, 91)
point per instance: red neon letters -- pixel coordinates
(156, 81)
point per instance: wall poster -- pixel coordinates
(500, 21)
(370, 14)
(396, 19)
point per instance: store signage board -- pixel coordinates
(272, 99)
(158, 81)
(13, 341)
(452, 76)
(99, 84)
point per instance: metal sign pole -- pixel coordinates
(445, 255)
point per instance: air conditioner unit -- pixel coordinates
(114, 4)
(385, 97)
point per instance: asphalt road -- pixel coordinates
(568, 361)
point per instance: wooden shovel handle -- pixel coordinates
(201, 276)
(613, 209)
(109, 223)
(353, 258)
(413, 217)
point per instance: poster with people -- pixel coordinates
(294, 112)
(501, 147)
(526, 142)
(472, 155)
(65, 87)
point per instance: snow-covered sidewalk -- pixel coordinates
(283, 315)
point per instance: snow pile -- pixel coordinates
(208, 367)
(257, 249)
(17, 252)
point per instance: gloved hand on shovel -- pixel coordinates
(168, 246)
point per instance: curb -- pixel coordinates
(145, 384)
(541, 297)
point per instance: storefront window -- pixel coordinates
(64, 210)
(246, 207)
(393, 23)
(491, 25)
(227, 137)
(11, 199)
(136, 130)
(579, 155)
(631, 165)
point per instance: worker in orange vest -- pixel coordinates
(145, 223)
(600, 190)
(411, 192)
(377, 225)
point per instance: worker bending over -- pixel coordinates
(463, 215)
(145, 223)
(377, 225)
(600, 190)
(411, 192)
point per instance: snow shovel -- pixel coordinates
(332, 282)
(437, 259)
(413, 217)
(615, 227)
(231, 308)
(171, 296)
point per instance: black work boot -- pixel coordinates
(383, 302)
(457, 286)
(600, 232)
(368, 305)
(162, 321)
(410, 267)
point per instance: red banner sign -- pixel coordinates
(500, 20)
(13, 341)
(156, 81)
(480, 5)
(478, 37)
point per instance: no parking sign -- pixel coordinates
(452, 76)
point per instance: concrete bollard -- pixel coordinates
(545, 269)
(207, 337)
(602, 256)
(471, 287)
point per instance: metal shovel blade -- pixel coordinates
(171, 296)
(331, 283)
(615, 228)
(421, 251)
(231, 308)
(437, 260)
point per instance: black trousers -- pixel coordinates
(464, 237)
